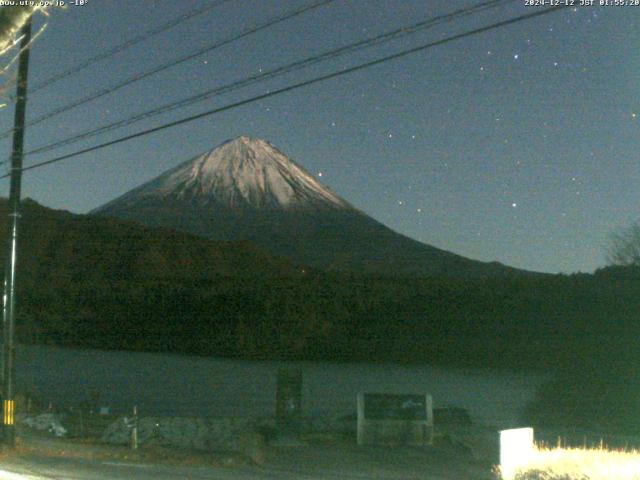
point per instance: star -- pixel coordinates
(319, 174)
(514, 205)
(516, 56)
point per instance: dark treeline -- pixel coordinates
(108, 284)
(530, 323)
(90, 282)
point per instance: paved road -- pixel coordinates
(470, 458)
(72, 469)
(324, 463)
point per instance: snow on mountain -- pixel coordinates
(242, 173)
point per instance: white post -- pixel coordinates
(361, 419)
(516, 449)
(134, 430)
(429, 432)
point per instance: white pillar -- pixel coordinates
(516, 450)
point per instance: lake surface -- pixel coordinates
(161, 384)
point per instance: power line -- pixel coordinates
(173, 63)
(296, 86)
(124, 46)
(377, 40)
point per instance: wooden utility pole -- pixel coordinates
(9, 300)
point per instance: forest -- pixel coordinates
(108, 284)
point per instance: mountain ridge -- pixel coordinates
(246, 189)
(239, 173)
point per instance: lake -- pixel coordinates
(162, 384)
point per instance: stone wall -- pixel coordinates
(211, 434)
(193, 433)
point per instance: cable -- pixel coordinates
(296, 86)
(270, 74)
(173, 63)
(123, 46)
(377, 40)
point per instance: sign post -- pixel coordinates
(385, 418)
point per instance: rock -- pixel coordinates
(208, 434)
(46, 421)
(253, 446)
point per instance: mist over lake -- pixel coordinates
(162, 384)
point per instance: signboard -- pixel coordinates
(385, 418)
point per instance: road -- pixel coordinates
(307, 463)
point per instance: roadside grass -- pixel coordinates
(563, 463)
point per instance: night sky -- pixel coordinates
(518, 145)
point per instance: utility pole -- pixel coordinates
(9, 300)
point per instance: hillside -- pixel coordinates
(91, 282)
(73, 247)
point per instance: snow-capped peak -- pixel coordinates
(240, 173)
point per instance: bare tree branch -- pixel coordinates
(624, 249)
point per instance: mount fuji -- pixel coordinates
(246, 189)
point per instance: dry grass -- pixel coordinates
(578, 464)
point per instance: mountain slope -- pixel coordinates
(58, 246)
(245, 189)
(110, 284)
(242, 174)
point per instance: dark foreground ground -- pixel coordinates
(464, 456)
